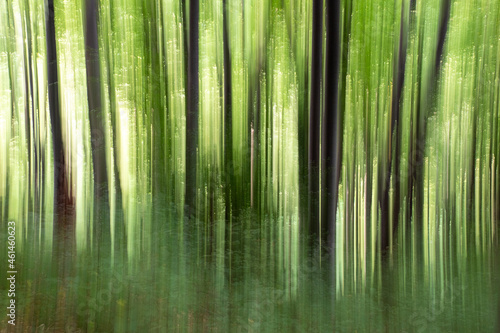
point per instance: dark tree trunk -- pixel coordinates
(396, 105)
(61, 190)
(94, 99)
(389, 284)
(443, 29)
(228, 118)
(192, 109)
(315, 117)
(332, 123)
(64, 213)
(398, 80)
(98, 144)
(346, 32)
(331, 153)
(426, 98)
(30, 123)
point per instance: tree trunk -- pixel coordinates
(64, 213)
(426, 98)
(192, 110)
(94, 99)
(332, 123)
(61, 193)
(315, 116)
(228, 117)
(399, 73)
(96, 120)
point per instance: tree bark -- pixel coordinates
(228, 118)
(395, 131)
(192, 109)
(94, 99)
(417, 153)
(61, 193)
(315, 117)
(332, 123)
(64, 212)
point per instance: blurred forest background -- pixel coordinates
(228, 165)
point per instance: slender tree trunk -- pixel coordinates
(424, 106)
(63, 198)
(315, 116)
(30, 123)
(61, 193)
(228, 117)
(443, 29)
(395, 133)
(192, 109)
(417, 151)
(96, 120)
(332, 122)
(94, 99)
(331, 152)
(102, 232)
(396, 105)
(64, 214)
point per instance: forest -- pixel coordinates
(250, 166)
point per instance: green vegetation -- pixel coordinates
(251, 165)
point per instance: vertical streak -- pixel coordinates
(396, 106)
(55, 120)
(192, 108)
(94, 98)
(314, 115)
(228, 119)
(332, 122)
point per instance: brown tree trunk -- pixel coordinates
(64, 218)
